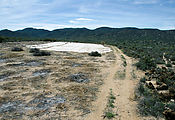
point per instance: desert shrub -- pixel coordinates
(173, 63)
(109, 115)
(17, 49)
(37, 52)
(1, 39)
(143, 90)
(146, 63)
(152, 103)
(50, 40)
(169, 65)
(172, 58)
(96, 54)
(171, 106)
(111, 104)
(124, 63)
(34, 50)
(143, 79)
(42, 53)
(151, 106)
(167, 56)
(160, 61)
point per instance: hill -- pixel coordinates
(105, 34)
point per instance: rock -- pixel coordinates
(162, 87)
(172, 92)
(169, 114)
(159, 83)
(164, 95)
(150, 85)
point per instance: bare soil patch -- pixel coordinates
(60, 86)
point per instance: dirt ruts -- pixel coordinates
(123, 90)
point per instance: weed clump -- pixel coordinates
(42, 53)
(37, 52)
(110, 105)
(109, 115)
(17, 49)
(34, 50)
(95, 54)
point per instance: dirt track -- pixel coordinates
(123, 88)
(41, 88)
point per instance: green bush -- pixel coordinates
(169, 65)
(95, 54)
(171, 106)
(173, 63)
(146, 63)
(1, 39)
(109, 115)
(143, 80)
(111, 104)
(172, 58)
(151, 106)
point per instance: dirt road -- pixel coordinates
(122, 80)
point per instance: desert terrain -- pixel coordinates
(66, 85)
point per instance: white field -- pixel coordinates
(72, 47)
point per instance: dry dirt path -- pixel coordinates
(123, 89)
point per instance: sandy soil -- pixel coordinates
(123, 89)
(45, 90)
(58, 87)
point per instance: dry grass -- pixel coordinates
(22, 86)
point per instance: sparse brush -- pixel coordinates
(168, 65)
(109, 115)
(112, 97)
(34, 50)
(17, 49)
(111, 104)
(95, 54)
(42, 53)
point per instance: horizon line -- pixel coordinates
(89, 28)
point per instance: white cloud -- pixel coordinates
(146, 1)
(73, 21)
(77, 20)
(83, 19)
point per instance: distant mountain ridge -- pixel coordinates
(105, 34)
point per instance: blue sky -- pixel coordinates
(54, 14)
